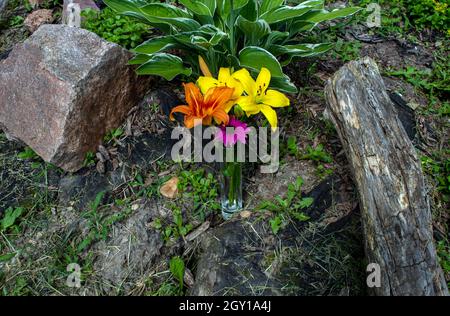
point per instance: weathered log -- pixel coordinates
(394, 204)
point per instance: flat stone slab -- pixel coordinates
(63, 89)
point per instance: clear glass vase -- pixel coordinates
(231, 188)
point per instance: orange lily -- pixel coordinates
(204, 107)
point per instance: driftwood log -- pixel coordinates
(395, 208)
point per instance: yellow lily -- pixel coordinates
(258, 97)
(225, 79)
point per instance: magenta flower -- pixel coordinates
(232, 133)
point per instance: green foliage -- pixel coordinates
(317, 154)
(115, 28)
(237, 33)
(16, 21)
(176, 229)
(202, 189)
(89, 160)
(402, 15)
(10, 218)
(27, 154)
(434, 14)
(443, 251)
(177, 269)
(439, 170)
(113, 135)
(290, 207)
(99, 226)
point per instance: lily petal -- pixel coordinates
(224, 75)
(263, 81)
(248, 104)
(249, 85)
(229, 106)
(206, 83)
(194, 97)
(180, 109)
(220, 116)
(270, 114)
(275, 99)
(218, 97)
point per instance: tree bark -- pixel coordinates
(395, 207)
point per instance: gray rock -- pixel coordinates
(134, 250)
(3, 5)
(63, 89)
(244, 257)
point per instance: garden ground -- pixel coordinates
(111, 220)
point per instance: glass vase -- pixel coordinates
(231, 188)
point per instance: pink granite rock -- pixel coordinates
(63, 89)
(37, 18)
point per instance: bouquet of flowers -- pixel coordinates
(228, 101)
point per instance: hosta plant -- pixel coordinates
(226, 33)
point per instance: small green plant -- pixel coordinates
(317, 154)
(439, 170)
(434, 14)
(27, 154)
(99, 226)
(113, 135)
(202, 189)
(16, 21)
(292, 147)
(443, 252)
(347, 51)
(89, 160)
(115, 28)
(176, 229)
(12, 214)
(290, 207)
(177, 268)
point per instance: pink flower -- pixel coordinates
(232, 133)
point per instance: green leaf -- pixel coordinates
(199, 7)
(301, 217)
(306, 202)
(121, 6)
(155, 45)
(7, 257)
(165, 65)
(268, 5)
(224, 6)
(10, 217)
(177, 269)
(255, 58)
(284, 13)
(128, 7)
(139, 59)
(275, 224)
(318, 16)
(283, 84)
(253, 30)
(274, 37)
(170, 15)
(250, 11)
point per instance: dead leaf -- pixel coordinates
(104, 152)
(170, 188)
(245, 214)
(100, 167)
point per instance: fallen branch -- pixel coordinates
(395, 208)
